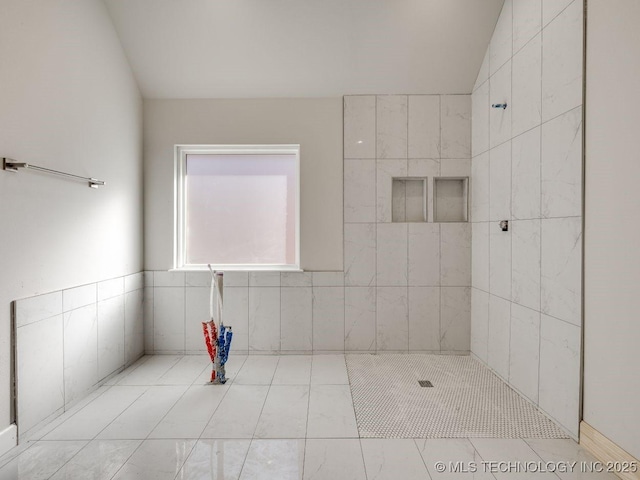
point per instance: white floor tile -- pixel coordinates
(15, 452)
(94, 417)
(238, 413)
(331, 412)
(293, 370)
(99, 460)
(190, 415)
(390, 459)
(185, 371)
(115, 379)
(284, 414)
(274, 459)
(505, 453)
(458, 456)
(40, 461)
(257, 370)
(329, 370)
(232, 367)
(257, 430)
(55, 423)
(156, 460)
(215, 459)
(150, 371)
(137, 421)
(330, 459)
(565, 450)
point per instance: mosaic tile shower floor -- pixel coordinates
(467, 400)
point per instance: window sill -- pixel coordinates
(238, 268)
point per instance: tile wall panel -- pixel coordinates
(70, 341)
(528, 163)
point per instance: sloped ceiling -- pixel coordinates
(303, 48)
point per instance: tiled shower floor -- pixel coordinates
(278, 418)
(466, 400)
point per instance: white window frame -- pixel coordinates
(179, 214)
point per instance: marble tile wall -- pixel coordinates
(527, 168)
(405, 287)
(268, 311)
(415, 276)
(71, 341)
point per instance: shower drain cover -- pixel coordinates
(425, 383)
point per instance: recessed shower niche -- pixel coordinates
(409, 200)
(413, 200)
(450, 202)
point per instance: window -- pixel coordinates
(238, 207)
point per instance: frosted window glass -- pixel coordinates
(240, 209)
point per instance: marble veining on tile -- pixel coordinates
(328, 317)
(455, 134)
(562, 166)
(455, 319)
(525, 263)
(525, 175)
(391, 126)
(424, 126)
(360, 254)
(524, 350)
(500, 47)
(360, 318)
(527, 22)
(392, 319)
(360, 126)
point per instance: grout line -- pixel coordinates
(510, 216)
(406, 232)
(280, 312)
(306, 426)
(184, 314)
(540, 208)
(490, 222)
(220, 403)
(375, 233)
(253, 436)
(187, 457)
(583, 199)
(87, 442)
(424, 462)
(554, 18)
(434, 205)
(528, 130)
(353, 406)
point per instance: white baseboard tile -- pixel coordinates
(8, 438)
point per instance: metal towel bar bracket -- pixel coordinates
(10, 165)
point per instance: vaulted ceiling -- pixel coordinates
(303, 48)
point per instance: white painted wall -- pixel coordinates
(315, 124)
(68, 101)
(612, 236)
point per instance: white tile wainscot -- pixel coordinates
(71, 341)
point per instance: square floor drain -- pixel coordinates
(425, 383)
